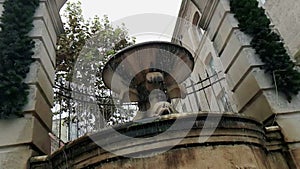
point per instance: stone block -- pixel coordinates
(238, 156)
(16, 157)
(37, 76)
(24, 131)
(268, 102)
(201, 4)
(39, 107)
(245, 60)
(53, 10)
(254, 82)
(236, 41)
(279, 103)
(295, 151)
(285, 15)
(289, 124)
(40, 32)
(40, 137)
(277, 160)
(40, 53)
(259, 108)
(223, 33)
(20, 131)
(220, 12)
(206, 51)
(42, 15)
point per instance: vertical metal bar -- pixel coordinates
(196, 97)
(76, 112)
(204, 92)
(60, 112)
(112, 109)
(86, 111)
(77, 127)
(213, 90)
(228, 105)
(70, 109)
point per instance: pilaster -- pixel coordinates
(22, 138)
(254, 92)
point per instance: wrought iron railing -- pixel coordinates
(79, 111)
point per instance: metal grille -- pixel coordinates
(78, 111)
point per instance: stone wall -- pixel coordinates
(237, 142)
(25, 137)
(252, 91)
(285, 15)
(207, 61)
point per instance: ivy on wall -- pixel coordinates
(268, 45)
(15, 54)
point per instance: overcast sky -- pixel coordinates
(145, 19)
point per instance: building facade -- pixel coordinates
(220, 47)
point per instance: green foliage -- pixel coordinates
(15, 54)
(268, 45)
(82, 52)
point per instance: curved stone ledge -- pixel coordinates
(241, 138)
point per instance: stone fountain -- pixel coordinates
(150, 74)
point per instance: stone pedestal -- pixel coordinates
(25, 137)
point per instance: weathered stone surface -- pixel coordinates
(268, 102)
(20, 131)
(207, 13)
(24, 131)
(38, 106)
(290, 126)
(259, 104)
(37, 76)
(41, 54)
(229, 23)
(222, 9)
(295, 151)
(253, 83)
(43, 19)
(279, 103)
(254, 92)
(241, 66)
(285, 15)
(18, 137)
(214, 157)
(40, 32)
(235, 43)
(277, 161)
(236, 142)
(53, 8)
(15, 157)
